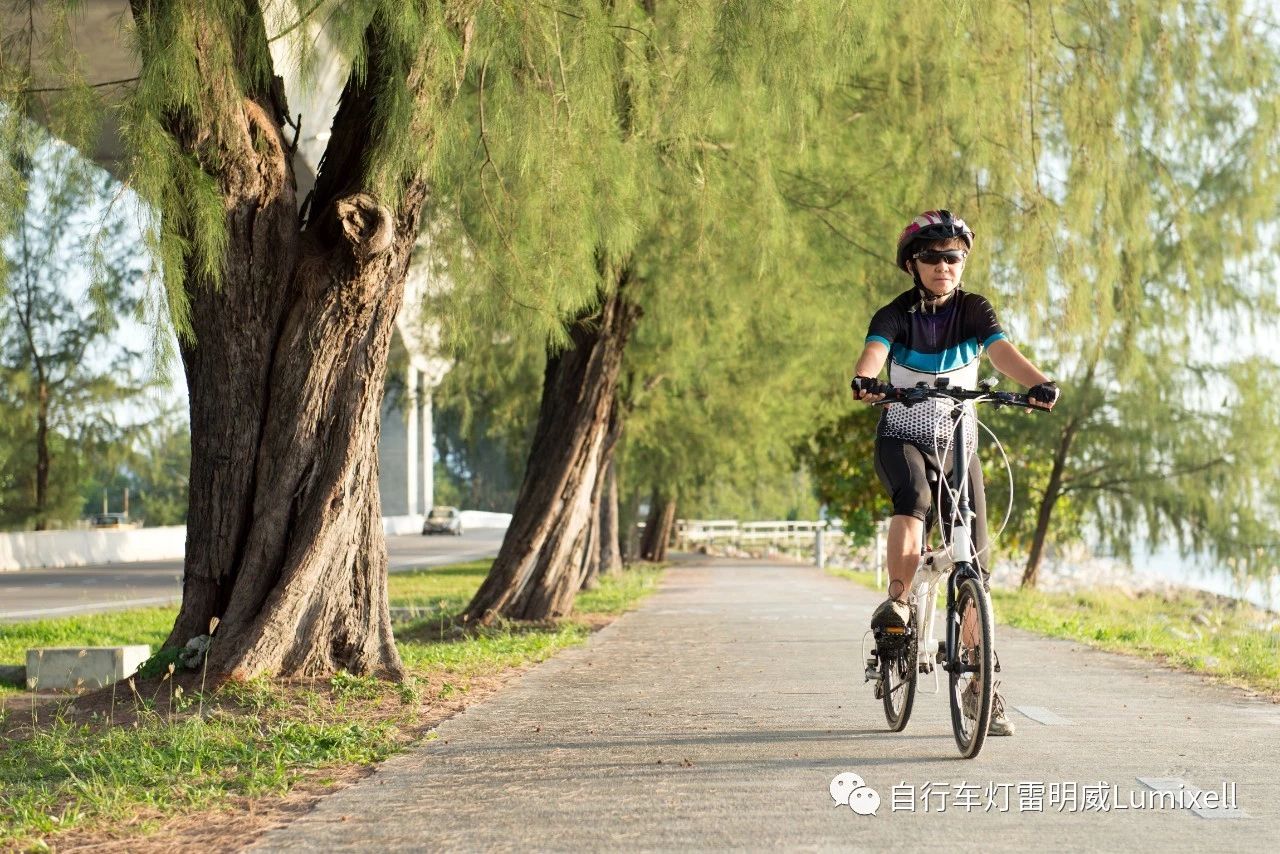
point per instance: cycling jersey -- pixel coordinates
(925, 345)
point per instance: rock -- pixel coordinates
(193, 655)
(13, 674)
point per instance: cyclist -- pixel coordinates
(935, 329)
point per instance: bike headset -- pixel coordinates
(930, 226)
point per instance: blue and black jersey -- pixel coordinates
(925, 345)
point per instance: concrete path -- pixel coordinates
(717, 715)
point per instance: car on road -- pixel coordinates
(443, 520)
(112, 520)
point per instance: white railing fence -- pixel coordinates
(824, 543)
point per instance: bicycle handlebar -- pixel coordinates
(909, 396)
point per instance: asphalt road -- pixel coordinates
(718, 715)
(30, 594)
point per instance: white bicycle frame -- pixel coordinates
(935, 566)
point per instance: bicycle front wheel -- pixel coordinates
(971, 675)
(898, 680)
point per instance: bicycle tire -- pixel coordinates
(971, 734)
(898, 675)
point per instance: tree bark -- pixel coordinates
(286, 368)
(1052, 492)
(540, 565)
(594, 552)
(610, 550)
(657, 529)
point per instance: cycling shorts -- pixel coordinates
(911, 474)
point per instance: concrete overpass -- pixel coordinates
(100, 38)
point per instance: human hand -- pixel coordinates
(867, 389)
(1044, 395)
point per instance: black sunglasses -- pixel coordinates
(948, 256)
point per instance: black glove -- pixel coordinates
(862, 385)
(1046, 393)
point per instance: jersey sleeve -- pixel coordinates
(888, 326)
(981, 322)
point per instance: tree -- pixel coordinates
(839, 456)
(153, 466)
(62, 374)
(1118, 162)
(285, 310)
(658, 89)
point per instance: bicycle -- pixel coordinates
(967, 653)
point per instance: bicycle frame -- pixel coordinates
(939, 565)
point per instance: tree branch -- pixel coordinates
(1110, 485)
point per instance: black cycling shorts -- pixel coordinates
(911, 475)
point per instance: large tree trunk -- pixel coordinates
(610, 549)
(538, 570)
(598, 524)
(284, 532)
(657, 528)
(1052, 492)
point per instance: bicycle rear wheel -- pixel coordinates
(898, 681)
(973, 687)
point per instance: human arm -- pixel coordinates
(1009, 361)
(869, 364)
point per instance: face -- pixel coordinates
(942, 278)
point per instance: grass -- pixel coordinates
(69, 775)
(162, 747)
(140, 625)
(1189, 629)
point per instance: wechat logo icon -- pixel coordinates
(850, 790)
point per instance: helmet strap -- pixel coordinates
(926, 299)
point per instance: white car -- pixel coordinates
(443, 520)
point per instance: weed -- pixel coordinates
(347, 686)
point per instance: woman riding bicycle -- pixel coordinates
(935, 330)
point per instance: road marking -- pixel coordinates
(1177, 784)
(1039, 714)
(83, 606)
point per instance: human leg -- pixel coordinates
(901, 468)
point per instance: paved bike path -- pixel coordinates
(716, 716)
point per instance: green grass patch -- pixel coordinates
(151, 756)
(1195, 631)
(436, 591)
(65, 774)
(139, 625)
(1189, 629)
